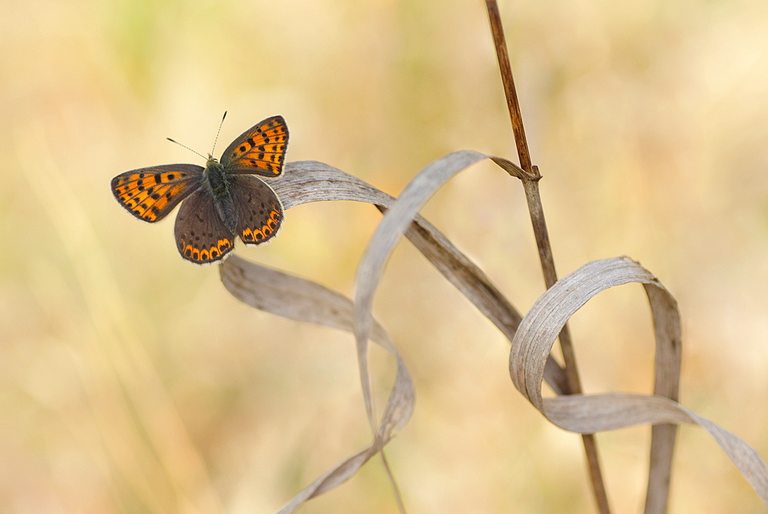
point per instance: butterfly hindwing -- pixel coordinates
(151, 193)
(259, 211)
(201, 236)
(259, 150)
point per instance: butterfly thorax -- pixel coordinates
(215, 178)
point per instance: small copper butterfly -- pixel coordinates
(221, 201)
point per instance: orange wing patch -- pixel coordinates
(139, 178)
(152, 203)
(256, 235)
(151, 195)
(201, 255)
(260, 150)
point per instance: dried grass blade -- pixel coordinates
(302, 300)
(292, 297)
(594, 413)
(336, 476)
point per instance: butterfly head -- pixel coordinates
(213, 167)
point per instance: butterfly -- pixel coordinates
(220, 202)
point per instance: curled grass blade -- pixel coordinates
(594, 413)
(302, 300)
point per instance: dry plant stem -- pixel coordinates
(566, 345)
(542, 239)
(509, 85)
(393, 483)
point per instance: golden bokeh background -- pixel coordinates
(132, 382)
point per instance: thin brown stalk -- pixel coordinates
(536, 211)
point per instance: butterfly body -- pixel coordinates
(216, 181)
(220, 202)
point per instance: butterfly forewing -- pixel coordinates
(151, 193)
(260, 150)
(259, 212)
(201, 236)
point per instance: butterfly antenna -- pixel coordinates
(185, 146)
(218, 132)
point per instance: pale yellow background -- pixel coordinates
(132, 382)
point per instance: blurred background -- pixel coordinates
(132, 382)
